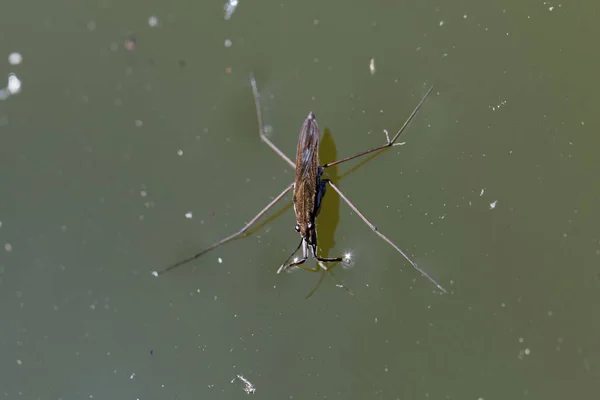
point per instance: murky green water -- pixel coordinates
(105, 150)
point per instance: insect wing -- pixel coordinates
(308, 146)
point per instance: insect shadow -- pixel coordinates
(308, 191)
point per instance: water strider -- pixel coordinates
(308, 190)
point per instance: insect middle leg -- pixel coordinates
(389, 142)
(261, 128)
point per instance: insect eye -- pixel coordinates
(297, 228)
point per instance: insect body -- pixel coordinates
(308, 190)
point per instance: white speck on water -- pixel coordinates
(493, 204)
(550, 313)
(550, 8)
(228, 43)
(132, 376)
(15, 58)
(179, 152)
(465, 16)
(189, 215)
(441, 23)
(0, 224)
(372, 66)
(92, 307)
(316, 22)
(155, 274)
(19, 362)
(347, 258)
(91, 26)
(153, 21)
(521, 340)
(482, 191)
(376, 320)
(527, 351)
(501, 104)
(139, 123)
(143, 193)
(220, 260)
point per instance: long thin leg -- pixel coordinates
(381, 235)
(230, 237)
(261, 129)
(389, 142)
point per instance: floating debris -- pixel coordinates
(493, 204)
(372, 66)
(189, 215)
(249, 388)
(13, 87)
(229, 8)
(153, 21)
(14, 84)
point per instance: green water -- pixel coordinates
(105, 151)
